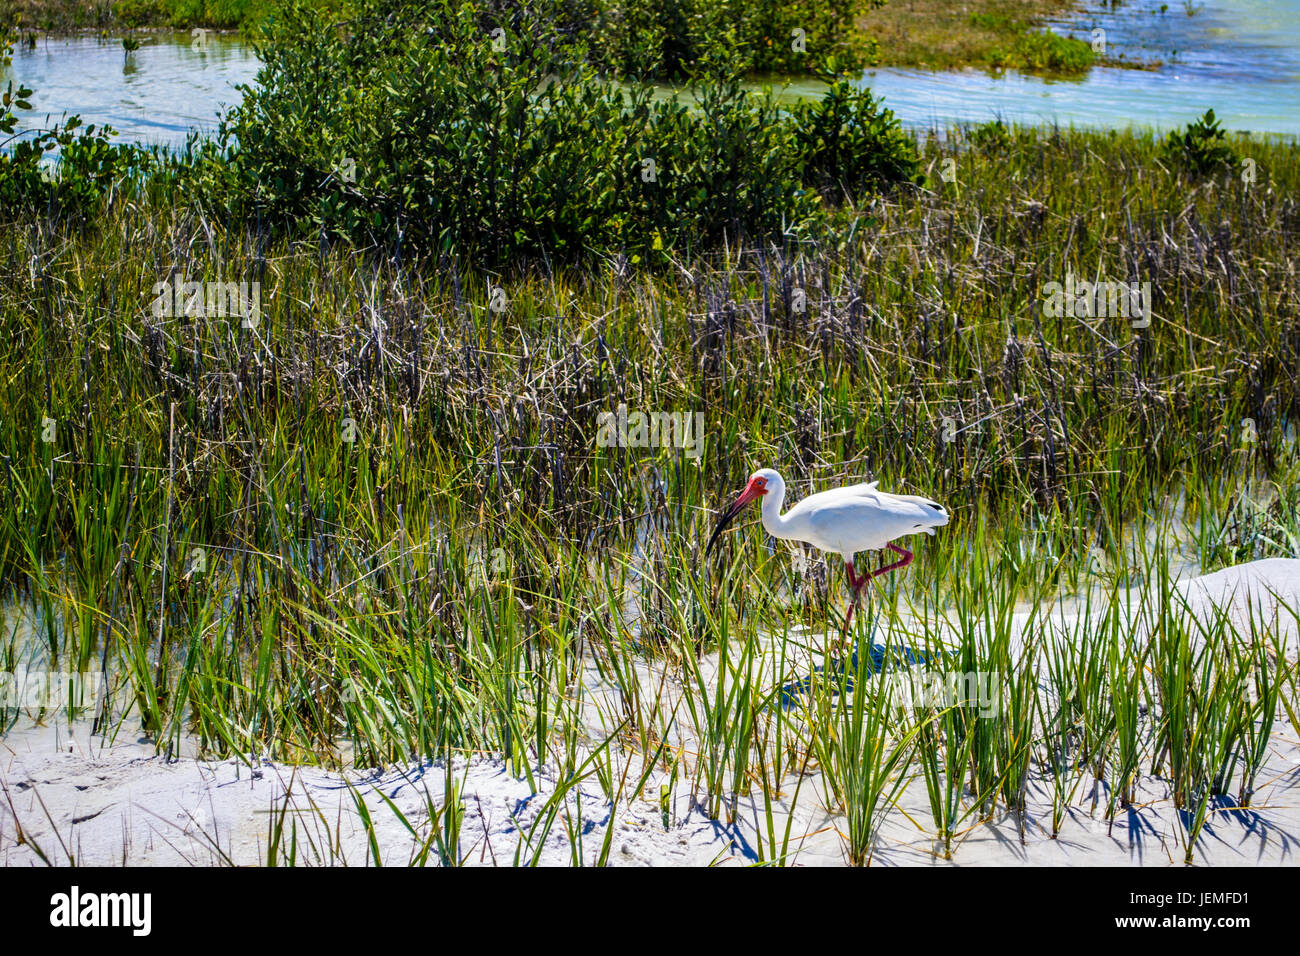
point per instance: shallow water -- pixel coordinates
(156, 96)
(1239, 57)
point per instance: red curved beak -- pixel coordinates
(752, 490)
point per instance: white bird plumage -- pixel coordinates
(841, 521)
(847, 520)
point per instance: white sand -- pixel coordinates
(76, 799)
(1264, 595)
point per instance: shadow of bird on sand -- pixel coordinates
(877, 658)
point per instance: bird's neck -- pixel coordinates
(773, 521)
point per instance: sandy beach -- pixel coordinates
(69, 797)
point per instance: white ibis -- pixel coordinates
(843, 521)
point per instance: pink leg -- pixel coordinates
(856, 582)
(901, 563)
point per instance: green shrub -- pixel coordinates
(849, 141)
(668, 38)
(88, 162)
(995, 21)
(1045, 52)
(1202, 147)
(991, 136)
(406, 127)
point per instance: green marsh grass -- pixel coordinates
(413, 546)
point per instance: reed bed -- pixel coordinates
(377, 525)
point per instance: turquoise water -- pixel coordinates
(1239, 57)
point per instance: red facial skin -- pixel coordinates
(756, 488)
